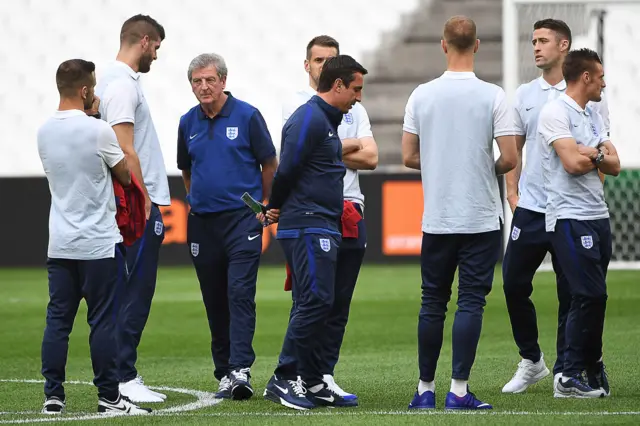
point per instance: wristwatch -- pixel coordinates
(599, 157)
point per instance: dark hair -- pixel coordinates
(324, 41)
(460, 33)
(559, 27)
(341, 67)
(73, 74)
(577, 62)
(139, 26)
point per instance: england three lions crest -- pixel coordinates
(195, 249)
(232, 133)
(348, 118)
(587, 241)
(325, 244)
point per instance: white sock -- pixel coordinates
(426, 386)
(317, 388)
(459, 387)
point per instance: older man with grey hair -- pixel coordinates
(225, 150)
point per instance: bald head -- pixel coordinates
(460, 33)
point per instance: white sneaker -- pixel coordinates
(526, 375)
(122, 406)
(556, 380)
(136, 391)
(333, 387)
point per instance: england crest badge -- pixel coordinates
(348, 118)
(195, 249)
(587, 241)
(158, 227)
(232, 133)
(325, 244)
(515, 234)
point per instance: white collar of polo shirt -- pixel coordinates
(130, 71)
(573, 104)
(68, 113)
(562, 85)
(310, 91)
(459, 75)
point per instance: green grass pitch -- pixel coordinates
(378, 362)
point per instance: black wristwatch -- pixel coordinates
(599, 157)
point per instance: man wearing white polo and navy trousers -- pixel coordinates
(449, 127)
(576, 148)
(225, 150)
(529, 243)
(79, 155)
(125, 108)
(359, 152)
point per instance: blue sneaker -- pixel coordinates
(467, 402)
(322, 395)
(333, 387)
(240, 384)
(576, 386)
(224, 388)
(290, 393)
(597, 378)
(426, 400)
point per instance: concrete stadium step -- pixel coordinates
(415, 62)
(487, 15)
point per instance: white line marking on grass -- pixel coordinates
(203, 399)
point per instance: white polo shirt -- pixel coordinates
(529, 100)
(570, 196)
(77, 153)
(456, 118)
(122, 101)
(355, 124)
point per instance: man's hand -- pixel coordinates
(588, 151)
(147, 206)
(272, 216)
(94, 107)
(513, 201)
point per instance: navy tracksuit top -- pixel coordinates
(308, 185)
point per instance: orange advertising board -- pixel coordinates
(402, 208)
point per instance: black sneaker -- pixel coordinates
(597, 378)
(290, 393)
(576, 386)
(121, 406)
(240, 384)
(322, 395)
(53, 405)
(224, 388)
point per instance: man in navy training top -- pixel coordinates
(225, 150)
(359, 152)
(86, 260)
(308, 189)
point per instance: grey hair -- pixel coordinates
(206, 60)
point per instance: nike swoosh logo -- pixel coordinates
(284, 391)
(529, 109)
(330, 399)
(330, 134)
(250, 238)
(193, 136)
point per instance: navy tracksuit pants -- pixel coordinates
(225, 250)
(312, 254)
(142, 264)
(584, 249)
(526, 249)
(350, 256)
(475, 255)
(100, 283)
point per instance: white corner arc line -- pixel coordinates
(203, 399)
